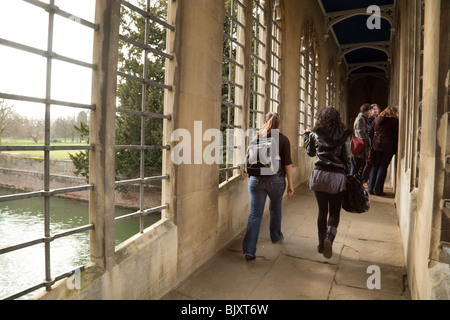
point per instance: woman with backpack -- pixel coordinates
(267, 181)
(330, 144)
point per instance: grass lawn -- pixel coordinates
(60, 154)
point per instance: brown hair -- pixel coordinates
(390, 112)
(329, 120)
(366, 107)
(272, 122)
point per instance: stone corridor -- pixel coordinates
(293, 270)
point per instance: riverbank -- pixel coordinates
(26, 173)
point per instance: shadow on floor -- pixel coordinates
(367, 252)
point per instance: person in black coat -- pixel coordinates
(384, 135)
(330, 144)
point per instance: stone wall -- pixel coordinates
(423, 142)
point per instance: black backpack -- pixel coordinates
(262, 157)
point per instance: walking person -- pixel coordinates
(261, 186)
(330, 144)
(368, 166)
(361, 127)
(384, 134)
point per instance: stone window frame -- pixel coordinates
(420, 7)
(258, 72)
(235, 44)
(102, 146)
(258, 63)
(148, 52)
(331, 88)
(275, 61)
(309, 80)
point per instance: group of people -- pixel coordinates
(380, 134)
(329, 143)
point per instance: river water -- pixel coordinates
(23, 220)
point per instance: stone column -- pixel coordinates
(102, 133)
(431, 179)
(194, 186)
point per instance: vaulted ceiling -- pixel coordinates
(363, 35)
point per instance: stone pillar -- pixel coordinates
(102, 133)
(436, 96)
(432, 160)
(290, 64)
(194, 187)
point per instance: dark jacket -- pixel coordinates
(332, 149)
(384, 134)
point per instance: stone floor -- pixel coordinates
(293, 270)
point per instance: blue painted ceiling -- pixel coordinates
(354, 30)
(342, 5)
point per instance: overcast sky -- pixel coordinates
(24, 73)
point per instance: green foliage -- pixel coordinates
(81, 159)
(130, 92)
(81, 163)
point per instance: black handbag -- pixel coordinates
(356, 198)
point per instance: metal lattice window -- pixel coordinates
(140, 109)
(234, 44)
(147, 113)
(275, 67)
(258, 64)
(418, 111)
(309, 81)
(341, 101)
(331, 89)
(53, 60)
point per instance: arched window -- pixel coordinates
(309, 79)
(418, 110)
(331, 89)
(234, 43)
(264, 71)
(275, 63)
(258, 63)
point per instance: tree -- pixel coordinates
(81, 159)
(128, 126)
(63, 128)
(6, 113)
(35, 129)
(129, 94)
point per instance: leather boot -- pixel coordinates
(328, 243)
(320, 247)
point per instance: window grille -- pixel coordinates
(142, 68)
(331, 89)
(258, 64)
(309, 81)
(234, 43)
(418, 111)
(275, 66)
(148, 141)
(49, 103)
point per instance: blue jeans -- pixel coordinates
(381, 161)
(259, 188)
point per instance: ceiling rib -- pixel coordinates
(332, 18)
